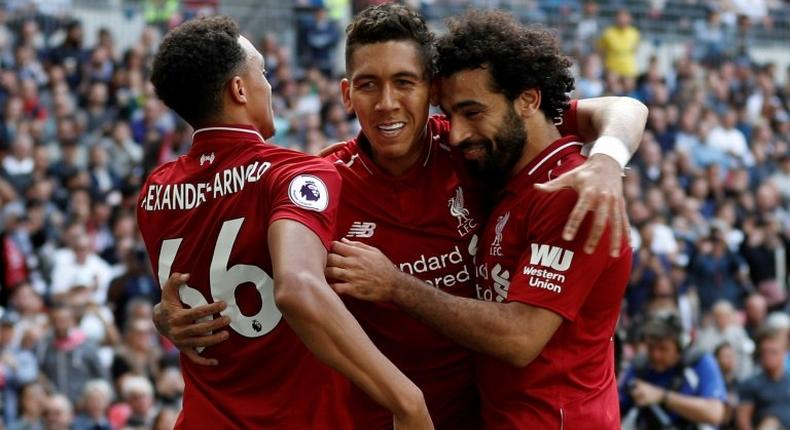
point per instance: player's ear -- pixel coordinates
(237, 90)
(528, 102)
(345, 90)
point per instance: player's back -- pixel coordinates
(207, 214)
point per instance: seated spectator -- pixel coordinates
(728, 361)
(58, 413)
(755, 310)
(765, 397)
(33, 399)
(138, 393)
(96, 399)
(18, 367)
(725, 328)
(139, 354)
(671, 385)
(66, 357)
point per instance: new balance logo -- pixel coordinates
(361, 229)
(553, 257)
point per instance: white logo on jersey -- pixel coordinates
(551, 256)
(501, 280)
(309, 192)
(456, 204)
(496, 248)
(207, 157)
(361, 229)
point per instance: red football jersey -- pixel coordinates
(523, 258)
(207, 214)
(426, 221)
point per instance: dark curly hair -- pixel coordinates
(518, 57)
(391, 22)
(193, 64)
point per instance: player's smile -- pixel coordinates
(391, 129)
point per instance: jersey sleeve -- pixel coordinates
(309, 194)
(570, 125)
(553, 273)
(711, 382)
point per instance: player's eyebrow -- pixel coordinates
(465, 104)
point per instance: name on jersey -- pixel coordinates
(186, 196)
(425, 264)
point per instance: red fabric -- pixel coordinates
(14, 263)
(523, 258)
(266, 377)
(409, 218)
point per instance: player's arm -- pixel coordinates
(317, 315)
(513, 332)
(616, 124)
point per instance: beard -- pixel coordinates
(501, 154)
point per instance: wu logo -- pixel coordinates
(361, 229)
(552, 257)
(496, 246)
(207, 157)
(457, 209)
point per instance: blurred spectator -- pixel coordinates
(725, 328)
(33, 399)
(139, 354)
(79, 266)
(95, 402)
(756, 309)
(710, 38)
(728, 361)
(671, 386)
(66, 357)
(139, 395)
(765, 396)
(728, 139)
(717, 272)
(320, 36)
(619, 44)
(18, 367)
(58, 413)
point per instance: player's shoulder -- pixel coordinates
(343, 152)
(289, 161)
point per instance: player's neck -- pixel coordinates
(540, 135)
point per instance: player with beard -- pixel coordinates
(251, 223)
(548, 309)
(407, 192)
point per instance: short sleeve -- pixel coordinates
(553, 273)
(711, 382)
(570, 125)
(308, 193)
(747, 391)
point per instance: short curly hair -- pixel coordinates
(391, 22)
(193, 64)
(518, 57)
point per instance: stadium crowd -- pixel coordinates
(708, 196)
